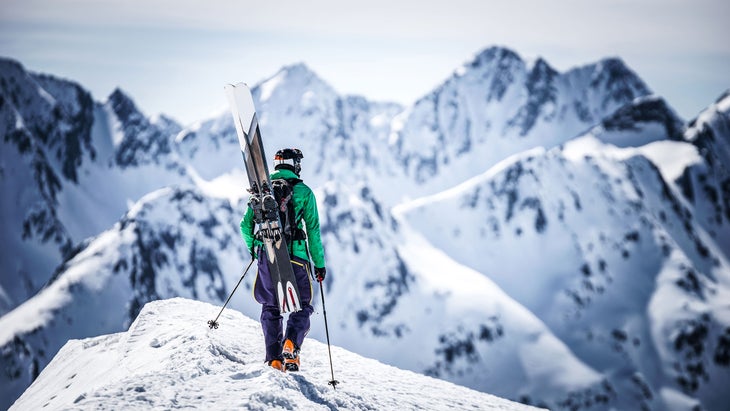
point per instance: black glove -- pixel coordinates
(252, 250)
(320, 273)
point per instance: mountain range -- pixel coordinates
(559, 239)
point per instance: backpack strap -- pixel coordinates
(292, 182)
(297, 233)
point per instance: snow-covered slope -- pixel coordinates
(575, 273)
(173, 242)
(169, 358)
(45, 137)
(706, 185)
(405, 302)
(592, 240)
(69, 168)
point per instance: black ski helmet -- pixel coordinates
(289, 158)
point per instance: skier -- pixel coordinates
(282, 349)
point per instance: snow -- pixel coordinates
(227, 185)
(468, 185)
(467, 290)
(40, 310)
(579, 272)
(46, 96)
(724, 104)
(460, 284)
(169, 358)
(117, 130)
(675, 400)
(268, 87)
(671, 157)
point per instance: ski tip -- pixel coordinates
(234, 85)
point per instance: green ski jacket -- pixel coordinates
(305, 205)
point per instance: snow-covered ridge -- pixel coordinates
(498, 105)
(169, 358)
(603, 241)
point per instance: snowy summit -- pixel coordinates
(169, 358)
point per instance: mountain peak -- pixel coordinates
(296, 78)
(140, 141)
(613, 66)
(122, 104)
(170, 344)
(493, 54)
(619, 79)
(300, 71)
(8, 65)
(298, 67)
(542, 66)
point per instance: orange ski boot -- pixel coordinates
(277, 364)
(291, 356)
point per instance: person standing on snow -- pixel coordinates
(282, 349)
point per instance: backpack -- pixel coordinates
(283, 190)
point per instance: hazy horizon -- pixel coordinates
(175, 57)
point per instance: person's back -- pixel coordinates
(306, 215)
(282, 349)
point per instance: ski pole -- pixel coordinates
(214, 323)
(333, 382)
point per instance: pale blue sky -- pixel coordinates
(175, 56)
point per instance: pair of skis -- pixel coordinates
(265, 207)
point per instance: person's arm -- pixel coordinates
(247, 230)
(311, 219)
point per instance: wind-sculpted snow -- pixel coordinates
(169, 358)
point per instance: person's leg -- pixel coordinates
(297, 326)
(271, 319)
(271, 324)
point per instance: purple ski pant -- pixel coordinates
(297, 325)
